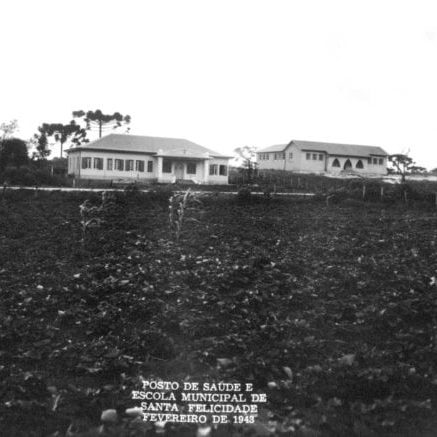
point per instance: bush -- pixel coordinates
(29, 176)
(244, 195)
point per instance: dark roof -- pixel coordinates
(330, 148)
(153, 145)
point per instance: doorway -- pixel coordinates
(179, 170)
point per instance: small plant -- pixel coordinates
(91, 215)
(5, 186)
(178, 205)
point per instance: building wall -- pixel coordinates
(75, 166)
(202, 168)
(318, 162)
(217, 178)
(310, 161)
(368, 168)
(274, 161)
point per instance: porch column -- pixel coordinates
(205, 171)
(159, 168)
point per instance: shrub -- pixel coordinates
(29, 176)
(244, 195)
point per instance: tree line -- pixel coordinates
(14, 151)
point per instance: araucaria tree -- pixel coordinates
(8, 129)
(97, 120)
(61, 133)
(403, 165)
(246, 156)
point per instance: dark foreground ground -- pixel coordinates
(331, 311)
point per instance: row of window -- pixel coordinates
(359, 164)
(130, 164)
(215, 169)
(347, 164)
(315, 156)
(117, 164)
(276, 156)
(376, 161)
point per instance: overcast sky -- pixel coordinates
(229, 73)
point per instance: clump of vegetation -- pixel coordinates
(244, 195)
(93, 216)
(179, 204)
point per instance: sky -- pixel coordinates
(229, 73)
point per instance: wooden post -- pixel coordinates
(298, 182)
(364, 191)
(405, 196)
(382, 192)
(435, 200)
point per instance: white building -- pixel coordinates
(322, 158)
(121, 157)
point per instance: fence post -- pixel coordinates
(364, 191)
(405, 196)
(382, 192)
(435, 199)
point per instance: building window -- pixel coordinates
(263, 156)
(223, 170)
(359, 164)
(381, 161)
(347, 164)
(314, 156)
(336, 163)
(320, 157)
(166, 166)
(279, 155)
(109, 164)
(139, 166)
(290, 155)
(375, 161)
(213, 169)
(369, 160)
(129, 165)
(119, 164)
(308, 156)
(86, 162)
(191, 168)
(98, 163)
(150, 166)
